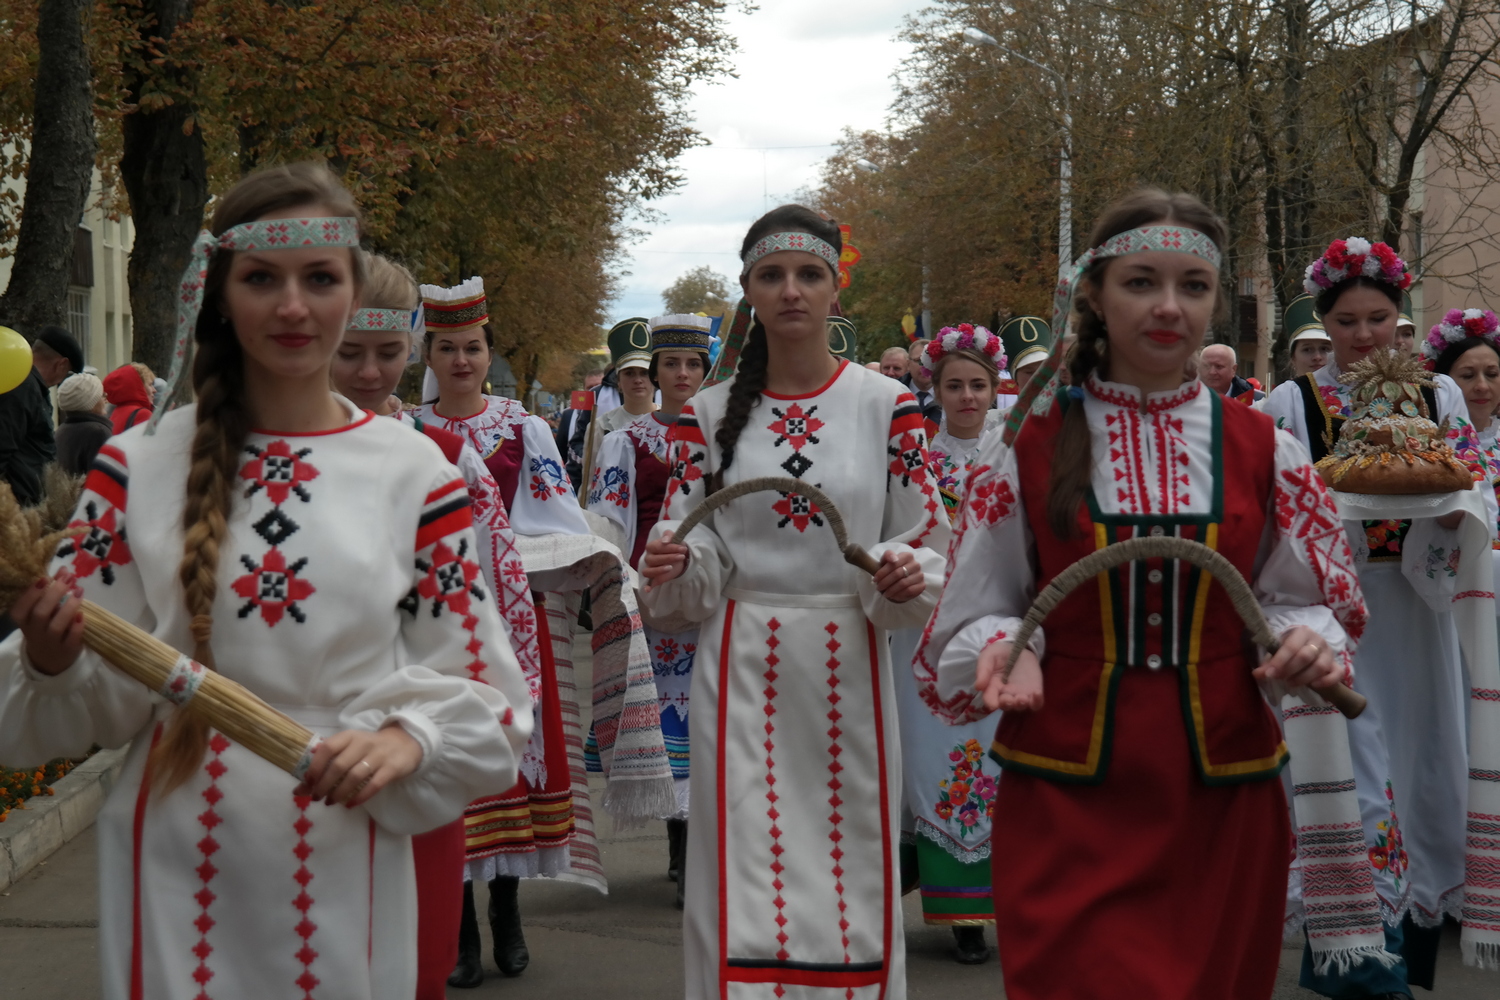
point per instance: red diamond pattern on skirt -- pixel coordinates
(777, 868)
(206, 871)
(307, 955)
(834, 784)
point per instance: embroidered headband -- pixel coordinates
(384, 320)
(265, 234)
(1044, 385)
(1459, 325)
(1354, 257)
(681, 332)
(965, 336)
(776, 242)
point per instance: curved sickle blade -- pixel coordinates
(1213, 563)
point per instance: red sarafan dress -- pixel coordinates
(1141, 839)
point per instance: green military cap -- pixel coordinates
(843, 339)
(630, 343)
(1405, 319)
(1302, 321)
(1027, 339)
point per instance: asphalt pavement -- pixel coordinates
(626, 945)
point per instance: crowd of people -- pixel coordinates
(808, 583)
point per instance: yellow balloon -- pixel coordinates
(15, 359)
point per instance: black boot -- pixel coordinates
(676, 846)
(682, 881)
(505, 923)
(469, 972)
(971, 947)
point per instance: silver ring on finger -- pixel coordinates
(1316, 649)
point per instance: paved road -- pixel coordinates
(623, 946)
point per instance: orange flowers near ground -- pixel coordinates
(18, 786)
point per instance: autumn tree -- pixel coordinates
(62, 151)
(700, 290)
(479, 137)
(1297, 120)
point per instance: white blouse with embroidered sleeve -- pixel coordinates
(1150, 456)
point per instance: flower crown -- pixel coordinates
(963, 337)
(1460, 324)
(1351, 258)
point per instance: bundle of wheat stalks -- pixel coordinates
(26, 548)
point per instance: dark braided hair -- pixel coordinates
(1072, 456)
(750, 377)
(223, 423)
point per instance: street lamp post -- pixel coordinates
(1065, 162)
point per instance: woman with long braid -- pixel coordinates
(791, 862)
(320, 557)
(1139, 812)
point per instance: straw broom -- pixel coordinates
(26, 548)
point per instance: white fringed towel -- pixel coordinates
(1473, 606)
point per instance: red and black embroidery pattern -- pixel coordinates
(448, 577)
(279, 471)
(101, 548)
(273, 585)
(688, 449)
(798, 511)
(798, 428)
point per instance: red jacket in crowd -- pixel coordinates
(126, 390)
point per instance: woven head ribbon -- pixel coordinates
(383, 320)
(776, 242)
(265, 234)
(1043, 387)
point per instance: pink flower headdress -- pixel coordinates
(1460, 324)
(965, 336)
(1351, 258)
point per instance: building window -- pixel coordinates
(83, 258)
(78, 314)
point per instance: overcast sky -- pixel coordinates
(807, 70)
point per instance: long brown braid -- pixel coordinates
(1072, 456)
(750, 377)
(223, 423)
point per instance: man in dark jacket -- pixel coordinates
(573, 423)
(26, 441)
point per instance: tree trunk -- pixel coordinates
(165, 174)
(61, 165)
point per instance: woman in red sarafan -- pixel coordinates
(1139, 811)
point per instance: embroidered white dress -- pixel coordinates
(526, 832)
(629, 487)
(948, 779)
(792, 850)
(350, 598)
(1410, 745)
(520, 452)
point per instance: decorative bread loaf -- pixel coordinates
(1390, 445)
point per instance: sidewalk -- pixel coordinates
(624, 946)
